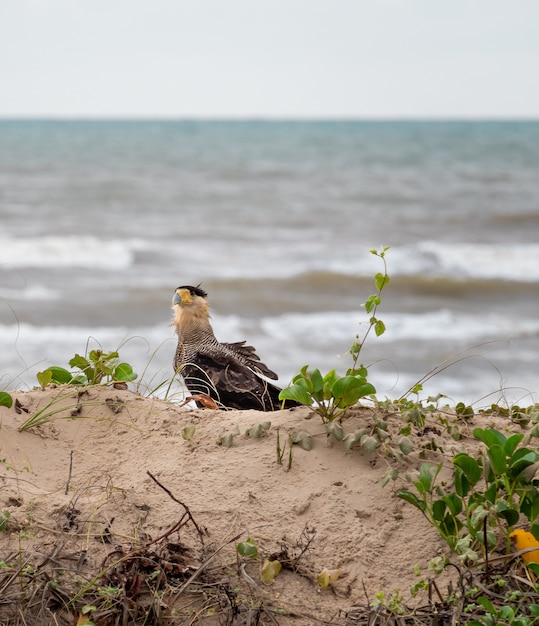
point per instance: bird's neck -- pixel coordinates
(193, 323)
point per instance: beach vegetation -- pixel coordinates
(97, 368)
(476, 510)
(332, 395)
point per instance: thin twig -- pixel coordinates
(69, 473)
(171, 495)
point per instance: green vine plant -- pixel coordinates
(332, 395)
(97, 369)
(487, 497)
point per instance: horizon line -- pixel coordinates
(262, 118)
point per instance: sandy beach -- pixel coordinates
(110, 471)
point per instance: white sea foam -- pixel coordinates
(29, 293)
(307, 331)
(518, 262)
(247, 259)
(443, 325)
(289, 341)
(69, 251)
(281, 259)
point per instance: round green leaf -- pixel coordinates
(59, 375)
(5, 399)
(298, 393)
(247, 548)
(303, 439)
(370, 443)
(469, 467)
(124, 372)
(405, 445)
(335, 429)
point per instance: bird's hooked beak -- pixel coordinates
(176, 298)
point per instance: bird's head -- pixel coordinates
(190, 306)
(187, 295)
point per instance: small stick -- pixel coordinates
(70, 470)
(201, 534)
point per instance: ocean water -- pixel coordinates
(101, 220)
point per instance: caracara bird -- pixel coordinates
(231, 373)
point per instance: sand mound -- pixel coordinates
(112, 476)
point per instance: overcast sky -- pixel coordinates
(269, 58)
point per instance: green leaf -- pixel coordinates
(489, 436)
(349, 389)
(370, 443)
(335, 429)
(438, 510)
(522, 459)
(258, 430)
(462, 484)
(411, 498)
(352, 438)
(303, 438)
(511, 516)
(124, 372)
(427, 475)
(486, 604)
(331, 377)
(469, 466)
(506, 613)
(511, 444)
(478, 515)
(405, 445)
(188, 432)
(298, 393)
(454, 503)
(379, 328)
(247, 548)
(317, 382)
(534, 567)
(355, 348)
(59, 375)
(381, 281)
(372, 302)
(227, 439)
(392, 473)
(497, 459)
(5, 399)
(450, 526)
(529, 505)
(80, 362)
(303, 379)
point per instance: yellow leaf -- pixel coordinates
(327, 576)
(270, 569)
(524, 539)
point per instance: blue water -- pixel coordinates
(101, 220)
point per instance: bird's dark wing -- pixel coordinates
(231, 383)
(248, 354)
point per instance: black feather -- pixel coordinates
(195, 291)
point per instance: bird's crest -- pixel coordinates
(194, 291)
